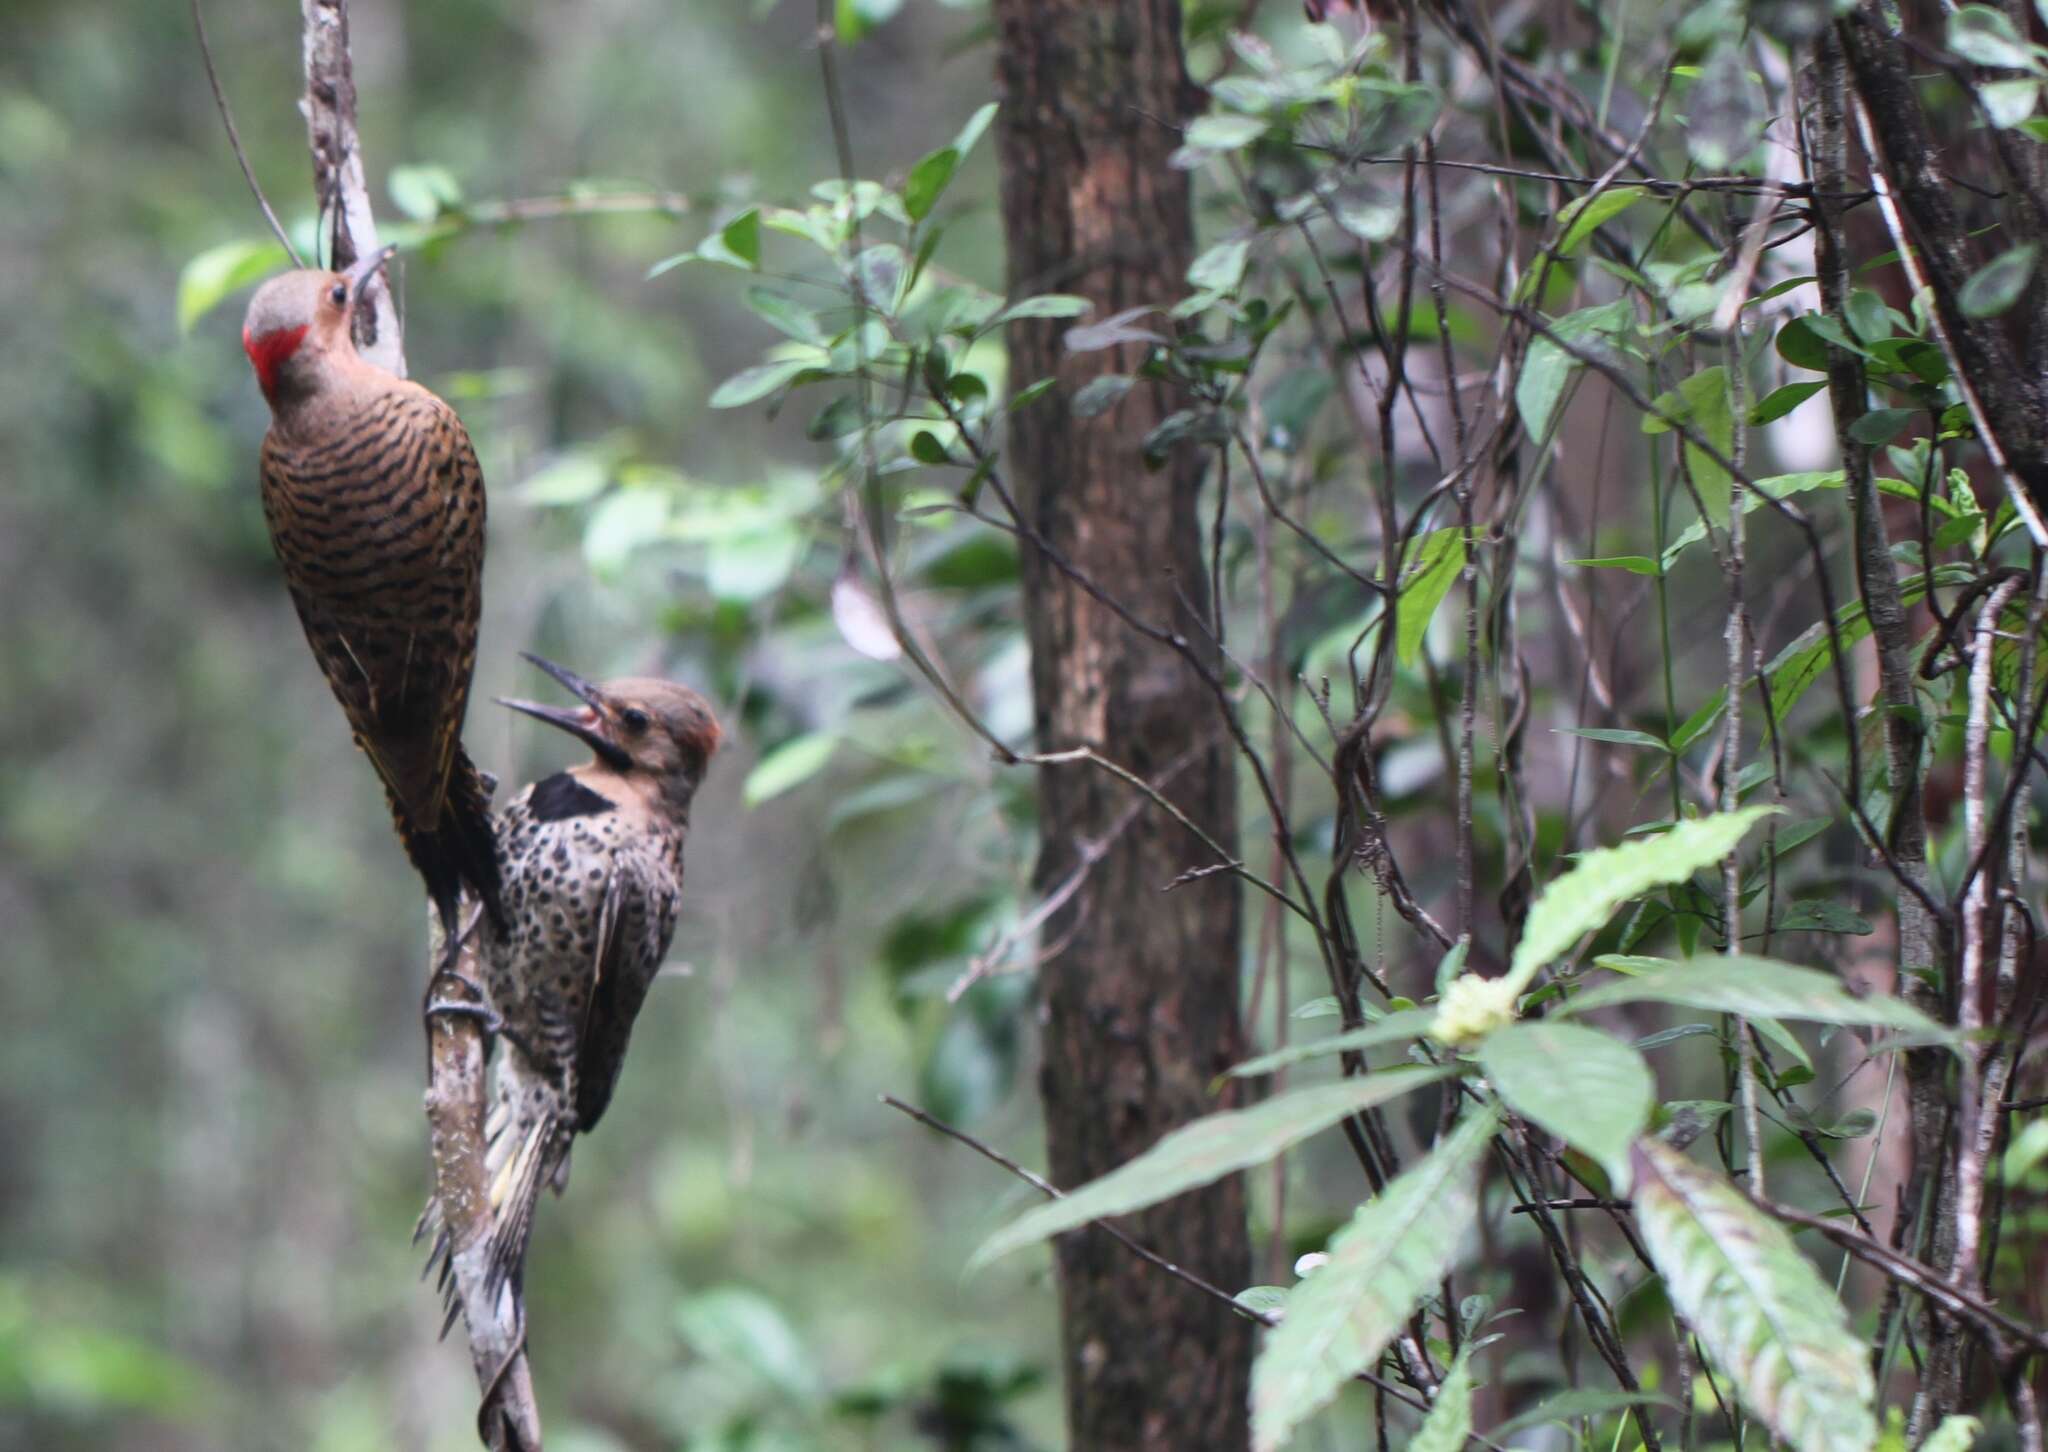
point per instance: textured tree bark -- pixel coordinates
(1140, 994)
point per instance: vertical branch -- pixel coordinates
(329, 106)
(509, 1421)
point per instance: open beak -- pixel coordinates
(367, 267)
(586, 725)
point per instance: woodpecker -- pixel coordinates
(592, 862)
(376, 510)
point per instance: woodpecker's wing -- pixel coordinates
(633, 939)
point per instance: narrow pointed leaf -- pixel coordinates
(1761, 988)
(1588, 1088)
(1605, 878)
(1758, 1306)
(1449, 1421)
(1439, 557)
(1203, 1152)
(1407, 1023)
(1392, 1254)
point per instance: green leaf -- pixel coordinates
(742, 1328)
(1392, 1254)
(1799, 345)
(972, 131)
(1205, 1151)
(746, 565)
(2009, 103)
(1705, 396)
(1449, 1421)
(752, 384)
(571, 479)
(741, 238)
(1868, 316)
(1987, 37)
(1100, 395)
(795, 761)
(1046, 305)
(926, 448)
(927, 182)
(1955, 1434)
(1761, 988)
(1585, 216)
(1602, 880)
(1997, 285)
(1573, 1406)
(1439, 557)
(1615, 736)
(1221, 268)
(424, 192)
(1547, 369)
(218, 271)
(1880, 425)
(1777, 486)
(1406, 1023)
(1781, 401)
(624, 521)
(1757, 1305)
(1634, 564)
(1586, 1087)
(1222, 131)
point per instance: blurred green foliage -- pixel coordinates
(209, 1111)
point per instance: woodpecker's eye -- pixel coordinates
(338, 294)
(633, 719)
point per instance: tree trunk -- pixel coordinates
(1140, 992)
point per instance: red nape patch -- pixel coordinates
(269, 353)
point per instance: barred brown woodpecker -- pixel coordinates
(592, 860)
(376, 509)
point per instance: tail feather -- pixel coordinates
(514, 1194)
(461, 849)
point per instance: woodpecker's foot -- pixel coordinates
(482, 1014)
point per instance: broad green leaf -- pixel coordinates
(1406, 1023)
(1099, 395)
(218, 271)
(1777, 486)
(746, 565)
(750, 385)
(1781, 401)
(1548, 369)
(1222, 131)
(1574, 1405)
(927, 182)
(1205, 1151)
(573, 478)
(739, 240)
(424, 192)
(1582, 218)
(1880, 425)
(1811, 652)
(2008, 103)
(1823, 915)
(1759, 988)
(625, 520)
(1392, 1254)
(1986, 36)
(744, 1329)
(1605, 878)
(1997, 285)
(1046, 305)
(1439, 556)
(1706, 406)
(1449, 1421)
(795, 761)
(1758, 1306)
(1586, 1087)
(1221, 268)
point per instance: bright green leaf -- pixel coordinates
(573, 478)
(795, 761)
(1781, 401)
(1449, 1421)
(751, 384)
(1761, 987)
(1602, 880)
(1221, 268)
(927, 182)
(1396, 1027)
(1586, 1087)
(1205, 1151)
(424, 192)
(1585, 216)
(218, 271)
(1439, 557)
(1758, 1306)
(1392, 1254)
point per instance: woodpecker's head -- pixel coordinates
(655, 731)
(301, 319)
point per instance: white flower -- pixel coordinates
(1472, 1008)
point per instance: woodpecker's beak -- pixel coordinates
(587, 725)
(367, 267)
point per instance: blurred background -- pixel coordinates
(211, 1147)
